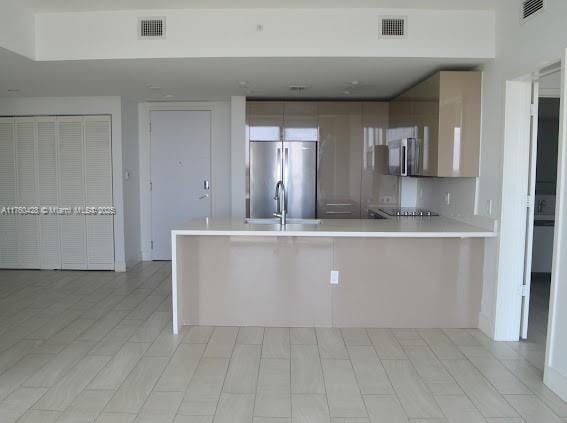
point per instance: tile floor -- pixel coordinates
(97, 347)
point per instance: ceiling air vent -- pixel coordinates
(531, 7)
(151, 28)
(393, 26)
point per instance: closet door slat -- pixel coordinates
(8, 234)
(98, 180)
(27, 226)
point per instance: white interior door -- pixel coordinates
(180, 173)
(530, 214)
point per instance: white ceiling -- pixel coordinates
(216, 78)
(90, 5)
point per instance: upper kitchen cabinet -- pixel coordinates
(264, 120)
(300, 121)
(443, 112)
(378, 188)
(340, 160)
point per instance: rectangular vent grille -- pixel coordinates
(393, 27)
(531, 7)
(151, 28)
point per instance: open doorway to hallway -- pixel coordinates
(545, 155)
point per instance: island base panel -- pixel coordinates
(285, 281)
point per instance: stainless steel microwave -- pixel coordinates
(403, 157)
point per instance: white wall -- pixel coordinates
(238, 155)
(347, 32)
(555, 374)
(17, 28)
(130, 161)
(84, 106)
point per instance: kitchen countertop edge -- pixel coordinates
(430, 227)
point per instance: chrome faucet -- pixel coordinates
(281, 205)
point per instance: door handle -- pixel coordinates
(404, 161)
(202, 197)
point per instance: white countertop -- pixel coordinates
(395, 227)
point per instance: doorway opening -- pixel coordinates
(542, 188)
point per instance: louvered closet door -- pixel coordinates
(50, 257)
(8, 234)
(72, 192)
(98, 180)
(26, 181)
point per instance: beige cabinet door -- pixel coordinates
(340, 160)
(378, 188)
(459, 123)
(443, 113)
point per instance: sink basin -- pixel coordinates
(276, 221)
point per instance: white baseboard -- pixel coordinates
(119, 266)
(556, 382)
(486, 325)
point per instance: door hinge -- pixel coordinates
(151, 186)
(530, 202)
(524, 290)
(151, 245)
(533, 109)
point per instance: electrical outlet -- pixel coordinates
(386, 199)
(447, 198)
(334, 277)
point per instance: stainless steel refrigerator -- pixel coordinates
(294, 162)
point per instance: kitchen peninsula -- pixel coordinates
(397, 272)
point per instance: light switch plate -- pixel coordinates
(334, 277)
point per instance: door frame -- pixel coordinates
(219, 137)
(512, 248)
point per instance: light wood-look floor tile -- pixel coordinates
(243, 370)
(306, 372)
(276, 343)
(385, 409)
(97, 347)
(370, 374)
(479, 390)
(416, 400)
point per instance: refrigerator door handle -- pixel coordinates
(404, 159)
(279, 162)
(285, 171)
